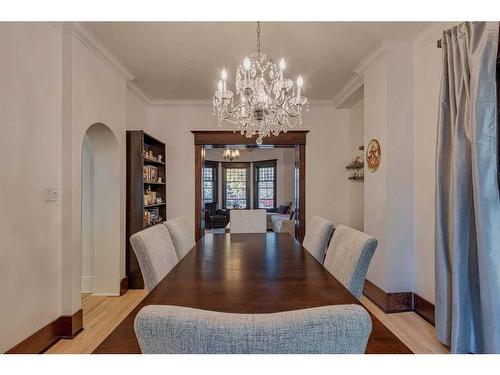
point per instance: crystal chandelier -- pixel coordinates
(268, 102)
(231, 154)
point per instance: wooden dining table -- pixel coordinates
(248, 273)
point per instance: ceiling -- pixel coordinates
(182, 60)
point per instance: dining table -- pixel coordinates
(252, 274)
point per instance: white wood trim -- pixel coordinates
(387, 46)
(90, 40)
(348, 90)
(141, 94)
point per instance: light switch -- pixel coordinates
(50, 195)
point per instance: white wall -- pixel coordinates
(285, 169)
(427, 81)
(30, 160)
(388, 99)
(327, 152)
(88, 214)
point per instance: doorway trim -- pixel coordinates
(293, 138)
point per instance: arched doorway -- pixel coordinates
(100, 212)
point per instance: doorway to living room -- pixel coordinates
(233, 172)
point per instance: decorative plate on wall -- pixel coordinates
(373, 155)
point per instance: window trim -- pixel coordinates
(264, 164)
(237, 165)
(215, 166)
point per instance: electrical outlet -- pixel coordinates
(50, 195)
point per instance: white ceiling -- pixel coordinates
(182, 60)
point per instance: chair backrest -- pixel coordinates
(349, 256)
(182, 235)
(183, 330)
(211, 207)
(318, 233)
(155, 253)
(248, 221)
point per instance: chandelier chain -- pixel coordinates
(258, 37)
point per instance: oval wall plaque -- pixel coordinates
(373, 155)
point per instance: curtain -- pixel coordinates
(467, 193)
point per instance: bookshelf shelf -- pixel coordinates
(152, 161)
(155, 205)
(140, 169)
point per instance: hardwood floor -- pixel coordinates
(102, 314)
(410, 328)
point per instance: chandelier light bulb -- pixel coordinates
(246, 64)
(223, 74)
(300, 81)
(282, 64)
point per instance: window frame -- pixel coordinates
(235, 165)
(214, 165)
(264, 164)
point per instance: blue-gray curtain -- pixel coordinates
(467, 193)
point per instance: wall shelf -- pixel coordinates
(354, 166)
(155, 205)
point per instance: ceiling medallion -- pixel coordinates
(268, 102)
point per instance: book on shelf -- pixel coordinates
(150, 173)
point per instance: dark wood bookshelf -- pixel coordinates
(138, 143)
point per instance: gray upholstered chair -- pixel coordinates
(247, 221)
(349, 256)
(182, 235)
(183, 330)
(155, 253)
(318, 233)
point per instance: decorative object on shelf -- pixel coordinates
(160, 180)
(357, 166)
(160, 157)
(231, 154)
(373, 155)
(268, 102)
(150, 173)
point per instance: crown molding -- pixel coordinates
(430, 35)
(90, 40)
(137, 90)
(348, 90)
(386, 47)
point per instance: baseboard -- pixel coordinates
(71, 325)
(66, 326)
(388, 302)
(424, 308)
(123, 285)
(40, 340)
(400, 302)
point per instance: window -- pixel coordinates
(236, 185)
(210, 182)
(265, 184)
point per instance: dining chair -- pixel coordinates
(349, 256)
(318, 234)
(247, 221)
(155, 253)
(183, 330)
(182, 235)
